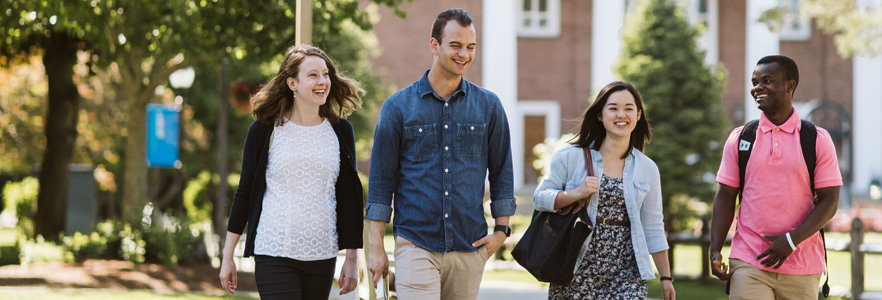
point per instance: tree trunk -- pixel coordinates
(61, 134)
(135, 179)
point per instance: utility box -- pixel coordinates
(82, 203)
(82, 206)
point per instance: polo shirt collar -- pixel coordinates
(793, 124)
(424, 88)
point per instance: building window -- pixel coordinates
(539, 18)
(793, 27)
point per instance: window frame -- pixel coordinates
(552, 17)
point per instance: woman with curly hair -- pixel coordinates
(299, 192)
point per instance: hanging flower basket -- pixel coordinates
(241, 91)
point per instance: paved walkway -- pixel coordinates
(494, 290)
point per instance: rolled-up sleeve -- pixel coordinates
(653, 218)
(384, 164)
(553, 183)
(500, 172)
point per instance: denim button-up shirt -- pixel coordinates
(433, 156)
(642, 191)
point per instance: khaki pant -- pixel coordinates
(422, 274)
(749, 282)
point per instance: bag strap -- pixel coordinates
(589, 165)
(575, 206)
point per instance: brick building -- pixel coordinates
(545, 60)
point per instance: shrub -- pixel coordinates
(132, 244)
(160, 238)
(22, 196)
(197, 199)
(80, 247)
(171, 241)
(10, 255)
(40, 250)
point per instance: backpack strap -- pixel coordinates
(745, 147)
(808, 137)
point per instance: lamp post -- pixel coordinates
(182, 79)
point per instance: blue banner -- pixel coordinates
(163, 133)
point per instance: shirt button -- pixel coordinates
(446, 148)
(421, 130)
(445, 216)
(445, 126)
(473, 127)
(446, 104)
(446, 193)
(446, 170)
(776, 144)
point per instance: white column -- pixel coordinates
(711, 37)
(759, 43)
(607, 18)
(867, 134)
(500, 71)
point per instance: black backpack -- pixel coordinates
(808, 136)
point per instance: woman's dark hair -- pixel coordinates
(275, 99)
(591, 132)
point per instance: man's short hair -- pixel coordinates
(462, 17)
(791, 72)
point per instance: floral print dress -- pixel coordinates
(609, 269)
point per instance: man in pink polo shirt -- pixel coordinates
(777, 252)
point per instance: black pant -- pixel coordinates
(285, 278)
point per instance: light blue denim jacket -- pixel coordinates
(642, 198)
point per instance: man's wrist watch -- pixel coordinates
(504, 228)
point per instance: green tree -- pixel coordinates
(24, 32)
(682, 98)
(145, 42)
(21, 116)
(857, 28)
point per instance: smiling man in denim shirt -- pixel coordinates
(434, 144)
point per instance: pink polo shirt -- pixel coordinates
(777, 196)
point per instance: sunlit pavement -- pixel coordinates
(511, 291)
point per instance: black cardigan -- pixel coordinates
(248, 202)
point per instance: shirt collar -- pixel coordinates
(424, 88)
(792, 124)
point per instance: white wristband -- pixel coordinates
(790, 241)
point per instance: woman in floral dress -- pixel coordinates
(624, 201)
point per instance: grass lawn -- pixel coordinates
(688, 263)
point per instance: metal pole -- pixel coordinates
(220, 208)
(303, 22)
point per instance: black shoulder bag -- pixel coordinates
(552, 244)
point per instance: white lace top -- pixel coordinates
(299, 218)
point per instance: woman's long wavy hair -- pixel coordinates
(275, 100)
(592, 132)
